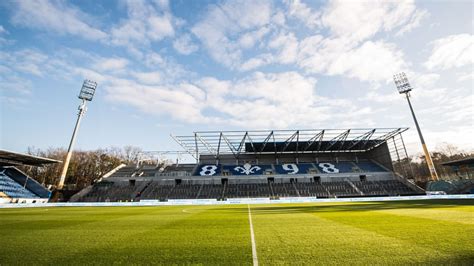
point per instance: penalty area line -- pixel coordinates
(252, 237)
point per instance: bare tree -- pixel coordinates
(85, 167)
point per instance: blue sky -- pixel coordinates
(180, 66)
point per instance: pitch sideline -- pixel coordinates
(252, 237)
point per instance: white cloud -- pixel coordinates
(415, 21)
(303, 13)
(263, 100)
(287, 47)
(248, 39)
(375, 97)
(14, 102)
(3, 30)
(465, 76)
(278, 18)
(223, 23)
(343, 50)
(176, 102)
(170, 69)
(14, 84)
(184, 45)
(89, 74)
(256, 62)
(26, 61)
(359, 20)
(148, 78)
(4, 41)
(372, 61)
(160, 27)
(146, 22)
(424, 80)
(111, 64)
(452, 51)
(55, 16)
(277, 100)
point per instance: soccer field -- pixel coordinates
(396, 232)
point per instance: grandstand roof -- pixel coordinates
(465, 161)
(284, 141)
(10, 158)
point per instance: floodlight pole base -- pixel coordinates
(82, 109)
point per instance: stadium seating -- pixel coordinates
(370, 167)
(340, 189)
(384, 188)
(126, 171)
(370, 188)
(284, 190)
(291, 168)
(157, 191)
(312, 189)
(163, 190)
(260, 190)
(246, 169)
(395, 188)
(148, 170)
(326, 167)
(25, 182)
(451, 186)
(12, 189)
(118, 191)
(211, 192)
(184, 191)
(327, 179)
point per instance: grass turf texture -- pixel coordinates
(398, 232)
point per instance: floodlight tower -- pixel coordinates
(86, 95)
(404, 87)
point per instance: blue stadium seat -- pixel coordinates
(334, 168)
(247, 169)
(370, 167)
(289, 168)
(345, 167)
(292, 168)
(13, 189)
(208, 170)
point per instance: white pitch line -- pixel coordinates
(252, 237)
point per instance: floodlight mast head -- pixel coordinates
(401, 81)
(87, 90)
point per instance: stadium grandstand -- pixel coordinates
(16, 186)
(274, 164)
(461, 183)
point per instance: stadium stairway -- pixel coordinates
(77, 197)
(354, 186)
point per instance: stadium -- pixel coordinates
(269, 197)
(265, 164)
(236, 132)
(315, 196)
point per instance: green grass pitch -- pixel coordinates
(364, 233)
